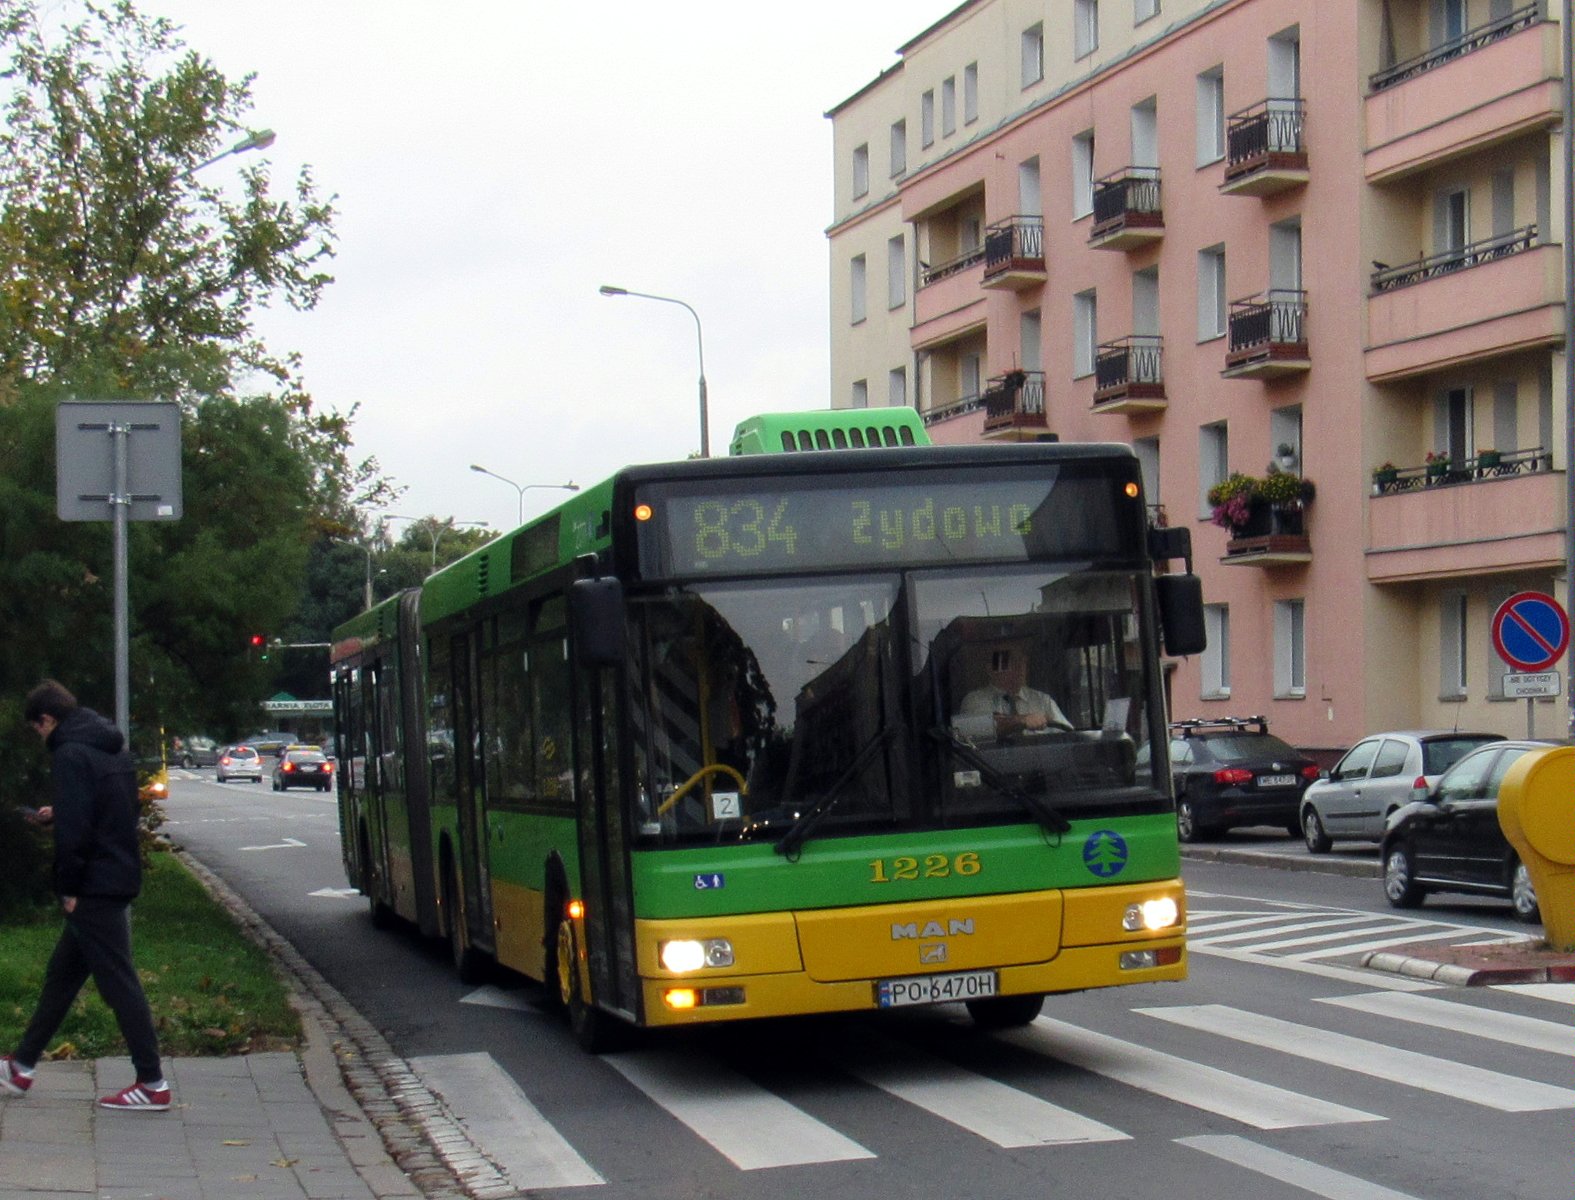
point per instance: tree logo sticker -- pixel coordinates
(1105, 853)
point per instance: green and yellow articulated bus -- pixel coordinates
(733, 738)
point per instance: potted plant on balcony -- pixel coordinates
(1437, 465)
(1248, 506)
(1284, 457)
(1232, 501)
(1488, 460)
(1385, 475)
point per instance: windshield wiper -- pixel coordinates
(1042, 812)
(794, 838)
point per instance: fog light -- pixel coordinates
(1136, 960)
(684, 955)
(1151, 914)
(679, 997)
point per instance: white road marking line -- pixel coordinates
(1261, 1105)
(1559, 993)
(1438, 935)
(1212, 927)
(1311, 923)
(504, 1125)
(993, 1110)
(1287, 1168)
(1549, 1037)
(1351, 975)
(491, 996)
(330, 893)
(731, 1112)
(287, 844)
(1475, 1085)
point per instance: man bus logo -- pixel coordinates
(932, 929)
(1105, 853)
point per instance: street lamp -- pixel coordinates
(436, 528)
(705, 437)
(522, 488)
(259, 139)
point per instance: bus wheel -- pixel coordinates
(469, 964)
(595, 1031)
(1005, 1012)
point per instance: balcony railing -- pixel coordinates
(1488, 464)
(1472, 39)
(1014, 253)
(1128, 208)
(1129, 374)
(1268, 334)
(952, 408)
(1266, 148)
(1387, 278)
(1015, 402)
(953, 266)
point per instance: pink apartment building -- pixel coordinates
(1234, 234)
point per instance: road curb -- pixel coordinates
(365, 1070)
(1465, 976)
(1260, 858)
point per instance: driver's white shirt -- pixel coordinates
(976, 717)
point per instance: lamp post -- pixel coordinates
(522, 488)
(259, 139)
(705, 436)
(436, 528)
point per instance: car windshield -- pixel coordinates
(1242, 747)
(1442, 753)
(243, 752)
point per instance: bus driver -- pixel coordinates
(1007, 705)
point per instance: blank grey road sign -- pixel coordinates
(85, 459)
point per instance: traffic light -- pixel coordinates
(260, 644)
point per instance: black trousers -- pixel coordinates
(96, 942)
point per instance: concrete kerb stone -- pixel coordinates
(1315, 864)
(406, 1116)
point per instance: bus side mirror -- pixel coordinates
(597, 621)
(1181, 614)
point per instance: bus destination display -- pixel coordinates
(775, 527)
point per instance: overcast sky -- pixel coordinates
(496, 161)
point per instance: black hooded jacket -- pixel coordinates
(95, 786)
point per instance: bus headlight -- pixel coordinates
(690, 954)
(1151, 914)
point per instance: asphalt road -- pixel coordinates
(1279, 1070)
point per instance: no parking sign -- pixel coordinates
(1531, 631)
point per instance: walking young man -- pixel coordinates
(98, 872)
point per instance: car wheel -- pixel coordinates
(1313, 832)
(1400, 885)
(189, 763)
(1523, 894)
(1188, 827)
(1005, 1012)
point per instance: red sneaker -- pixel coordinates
(139, 1097)
(12, 1079)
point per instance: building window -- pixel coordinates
(1147, 451)
(897, 387)
(949, 106)
(970, 93)
(861, 171)
(970, 374)
(1290, 648)
(1216, 656)
(1085, 333)
(1211, 116)
(1213, 463)
(1083, 174)
(1085, 27)
(1452, 643)
(1142, 10)
(927, 120)
(1033, 54)
(896, 273)
(1211, 293)
(861, 394)
(899, 148)
(856, 289)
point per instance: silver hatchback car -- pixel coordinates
(1378, 775)
(239, 762)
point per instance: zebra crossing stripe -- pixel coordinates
(1548, 1037)
(1209, 927)
(992, 1110)
(497, 1115)
(1314, 923)
(1261, 1105)
(730, 1112)
(1559, 993)
(1287, 1168)
(1475, 1085)
(1438, 935)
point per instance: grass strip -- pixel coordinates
(212, 991)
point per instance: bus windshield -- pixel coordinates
(924, 699)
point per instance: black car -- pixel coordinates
(303, 767)
(1233, 772)
(1451, 841)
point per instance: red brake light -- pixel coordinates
(328, 768)
(1419, 784)
(289, 766)
(1233, 775)
(1311, 771)
(225, 761)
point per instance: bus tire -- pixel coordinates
(596, 1032)
(1005, 1012)
(469, 963)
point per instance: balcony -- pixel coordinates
(1275, 536)
(1266, 151)
(1268, 336)
(1490, 84)
(1495, 297)
(1466, 519)
(1014, 407)
(1014, 254)
(1129, 375)
(948, 303)
(1127, 210)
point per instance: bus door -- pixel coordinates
(604, 844)
(410, 734)
(469, 795)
